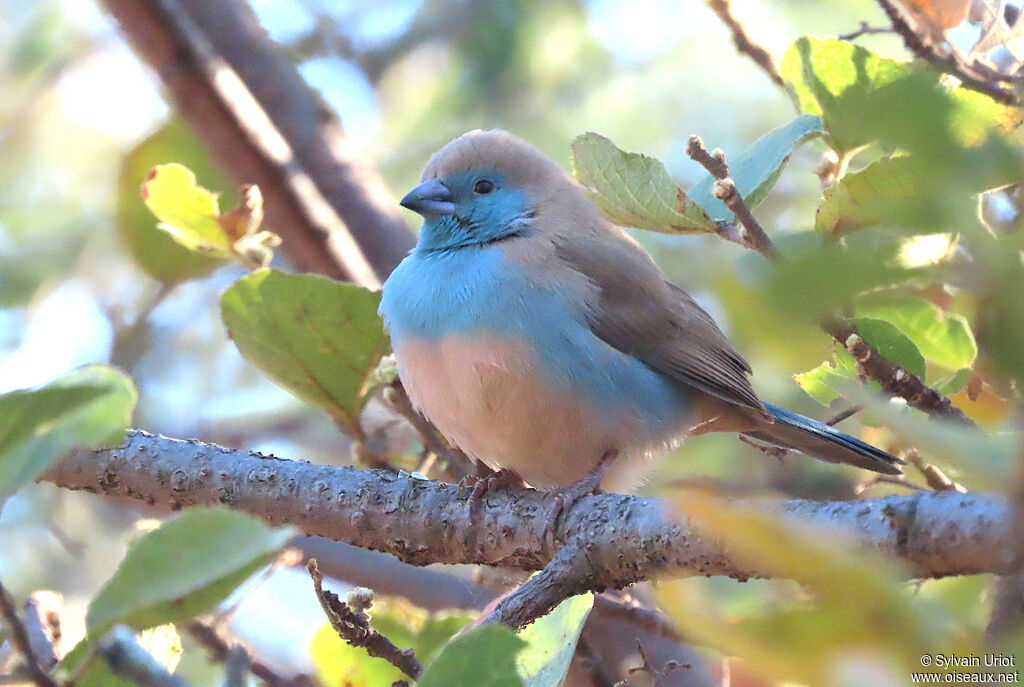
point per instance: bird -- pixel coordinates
(544, 341)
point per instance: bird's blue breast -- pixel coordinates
(480, 292)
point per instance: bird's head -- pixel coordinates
(484, 186)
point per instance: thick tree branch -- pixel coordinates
(250, 107)
(618, 539)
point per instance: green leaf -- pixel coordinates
(183, 569)
(187, 211)
(483, 657)
(552, 643)
(319, 339)
(89, 407)
(886, 189)
(757, 168)
(835, 80)
(154, 250)
(635, 190)
(826, 382)
(954, 383)
(943, 338)
(892, 344)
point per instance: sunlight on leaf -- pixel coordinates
(153, 249)
(834, 79)
(826, 382)
(552, 643)
(186, 210)
(856, 604)
(943, 338)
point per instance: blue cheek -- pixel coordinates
(496, 213)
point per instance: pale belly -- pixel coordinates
(491, 399)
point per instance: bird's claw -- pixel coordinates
(490, 481)
(566, 496)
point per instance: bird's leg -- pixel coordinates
(567, 495)
(486, 480)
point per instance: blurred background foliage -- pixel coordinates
(85, 276)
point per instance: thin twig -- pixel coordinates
(219, 648)
(864, 30)
(632, 611)
(725, 190)
(42, 622)
(844, 415)
(591, 661)
(761, 57)
(355, 628)
(933, 475)
(659, 676)
(20, 640)
(126, 658)
(973, 75)
(894, 379)
(236, 667)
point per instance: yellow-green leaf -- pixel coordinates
(551, 643)
(186, 210)
(154, 250)
(826, 382)
(835, 80)
(407, 626)
(943, 338)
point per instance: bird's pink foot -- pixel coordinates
(567, 495)
(487, 480)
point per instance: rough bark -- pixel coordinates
(250, 107)
(622, 539)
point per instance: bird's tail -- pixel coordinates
(792, 431)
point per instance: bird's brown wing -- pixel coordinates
(639, 312)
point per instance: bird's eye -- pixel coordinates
(483, 187)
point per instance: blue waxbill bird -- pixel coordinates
(543, 340)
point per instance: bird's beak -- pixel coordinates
(430, 198)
